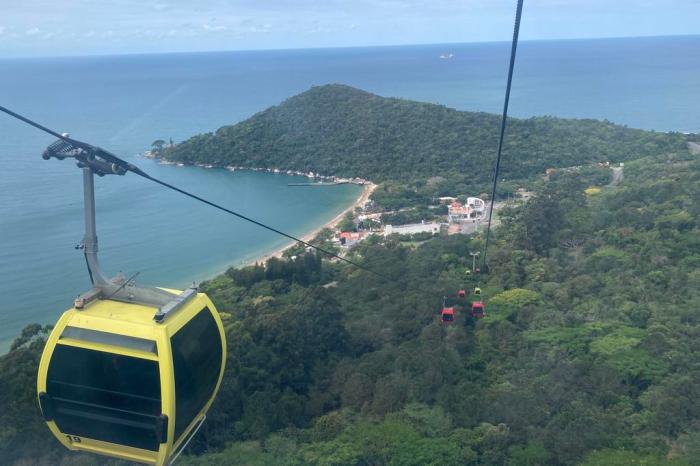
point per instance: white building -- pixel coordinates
(477, 206)
(412, 229)
(376, 216)
(473, 210)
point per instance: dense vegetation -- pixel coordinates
(339, 130)
(589, 353)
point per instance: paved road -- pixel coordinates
(694, 148)
(617, 176)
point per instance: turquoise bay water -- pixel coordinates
(171, 240)
(124, 103)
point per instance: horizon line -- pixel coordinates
(339, 47)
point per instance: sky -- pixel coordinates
(95, 27)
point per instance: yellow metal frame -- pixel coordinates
(133, 320)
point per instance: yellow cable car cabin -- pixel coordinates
(129, 380)
(129, 371)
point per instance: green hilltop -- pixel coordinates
(339, 130)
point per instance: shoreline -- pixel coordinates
(367, 190)
(326, 179)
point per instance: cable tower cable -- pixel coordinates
(514, 47)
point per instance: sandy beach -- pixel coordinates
(367, 191)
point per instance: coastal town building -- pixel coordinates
(473, 210)
(412, 229)
(349, 238)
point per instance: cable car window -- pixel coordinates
(197, 362)
(105, 396)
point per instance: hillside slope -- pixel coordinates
(339, 130)
(588, 354)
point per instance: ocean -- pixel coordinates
(123, 103)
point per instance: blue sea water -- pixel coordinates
(123, 103)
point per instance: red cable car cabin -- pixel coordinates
(462, 294)
(478, 310)
(448, 315)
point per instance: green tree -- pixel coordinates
(347, 223)
(157, 145)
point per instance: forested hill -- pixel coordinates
(588, 354)
(336, 129)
